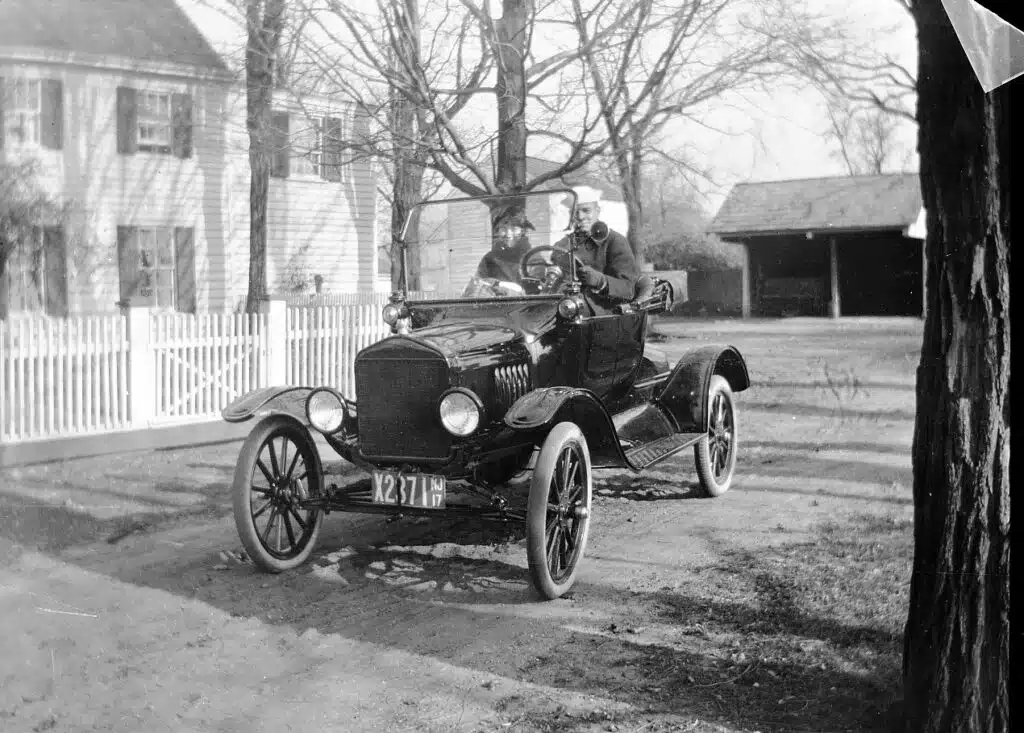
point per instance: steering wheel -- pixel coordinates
(554, 276)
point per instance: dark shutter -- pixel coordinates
(3, 134)
(127, 263)
(51, 132)
(185, 269)
(181, 140)
(280, 147)
(56, 271)
(332, 149)
(4, 278)
(127, 120)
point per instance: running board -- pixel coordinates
(658, 450)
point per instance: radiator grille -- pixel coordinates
(511, 383)
(397, 406)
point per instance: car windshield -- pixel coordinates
(474, 247)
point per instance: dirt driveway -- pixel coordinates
(125, 606)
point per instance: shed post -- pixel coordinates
(833, 261)
(745, 284)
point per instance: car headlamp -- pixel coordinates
(394, 312)
(460, 411)
(569, 308)
(325, 410)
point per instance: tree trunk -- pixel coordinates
(408, 156)
(510, 90)
(264, 21)
(956, 653)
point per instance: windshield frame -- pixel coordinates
(410, 217)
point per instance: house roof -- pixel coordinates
(846, 203)
(144, 30)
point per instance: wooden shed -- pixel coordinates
(851, 245)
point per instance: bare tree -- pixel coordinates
(865, 138)
(668, 61)
(957, 639)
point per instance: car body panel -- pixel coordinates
(268, 401)
(684, 394)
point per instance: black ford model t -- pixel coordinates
(494, 384)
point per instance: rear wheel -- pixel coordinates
(715, 453)
(558, 510)
(277, 469)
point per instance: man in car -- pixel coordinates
(609, 272)
(501, 264)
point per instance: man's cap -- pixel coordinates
(584, 195)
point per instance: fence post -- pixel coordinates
(141, 368)
(277, 340)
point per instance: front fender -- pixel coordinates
(544, 408)
(269, 401)
(685, 394)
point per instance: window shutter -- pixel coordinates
(3, 134)
(280, 148)
(56, 271)
(127, 120)
(51, 132)
(4, 279)
(128, 263)
(332, 149)
(181, 142)
(185, 269)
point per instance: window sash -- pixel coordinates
(23, 111)
(307, 149)
(154, 121)
(26, 276)
(157, 272)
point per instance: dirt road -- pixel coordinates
(126, 607)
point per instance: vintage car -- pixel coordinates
(497, 399)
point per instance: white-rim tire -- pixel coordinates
(277, 467)
(558, 510)
(715, 453)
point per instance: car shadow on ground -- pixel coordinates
(450, 601)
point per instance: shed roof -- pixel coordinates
(145, 30)
(849, 203)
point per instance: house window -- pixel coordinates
(156, 267)
(34, 278)
(307, 148)
(22, 112)
(154, 122)
(310, 149)
(32, 113)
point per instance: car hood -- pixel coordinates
(462, 344)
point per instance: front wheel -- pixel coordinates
(715, 453)
(558, 510)
(277, 469)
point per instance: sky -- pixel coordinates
(769, 137)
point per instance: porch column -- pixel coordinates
(833, 261)
(745, 284)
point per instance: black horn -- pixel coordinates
(599, 231)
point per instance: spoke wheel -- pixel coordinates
(277, 469)
(558, 510)
(715, 454)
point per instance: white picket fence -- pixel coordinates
(94, 374)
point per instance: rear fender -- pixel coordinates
(542, 409)
(289, 401)
(685, 394)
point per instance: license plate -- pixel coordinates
(422, 490)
